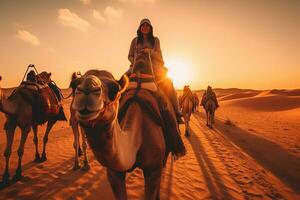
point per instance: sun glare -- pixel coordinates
(179, 72)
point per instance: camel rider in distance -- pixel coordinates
(147, 43)
(209, 94)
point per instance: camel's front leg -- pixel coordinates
(84, 147)
(117, 183)
(24, 135)
(186, 121)
(211, 119)
(45, 140)
(207, 116)
(152, 184)
(10, 132)
(75, 144)
(36, 143)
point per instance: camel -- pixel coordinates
(137, 141)
(126, 138)
(19, 112)
(187, 105)
(210, 107)
(210, 104)
(75, 81)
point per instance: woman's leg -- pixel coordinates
(167, 87)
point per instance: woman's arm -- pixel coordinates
(132, 51)
(156, 52)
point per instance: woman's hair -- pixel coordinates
(140, 38)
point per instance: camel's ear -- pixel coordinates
(123, 82)
(113, 89)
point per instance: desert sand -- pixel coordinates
(253, 152)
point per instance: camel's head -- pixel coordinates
(75, 75)
(97, 96)
(44, 77)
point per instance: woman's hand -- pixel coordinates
(146, 50)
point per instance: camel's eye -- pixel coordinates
(78, 91)
(96, 93)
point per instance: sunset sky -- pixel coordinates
(245, 44)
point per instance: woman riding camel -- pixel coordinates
(145, 42)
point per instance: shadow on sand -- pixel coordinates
(51, 182)
(211, 176)
(170, 180)
(270, 155)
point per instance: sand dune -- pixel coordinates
(286, 92)
(268, 100)
(256, 156)
(238, 95)
(268, 103)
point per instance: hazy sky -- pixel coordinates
(245, 44)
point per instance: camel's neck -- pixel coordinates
(119, 146)
(7, 106)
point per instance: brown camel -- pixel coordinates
(187, 105)
(210, 104)
(210, 108)
(75, 81)
(19, 112)
(136, 141)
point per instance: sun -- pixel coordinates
(179, 71)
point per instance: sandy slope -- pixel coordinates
(274, 117)
(229, 162)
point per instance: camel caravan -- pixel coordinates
(128, 123)
(114, 120)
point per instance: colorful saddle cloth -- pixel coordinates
(43, 100)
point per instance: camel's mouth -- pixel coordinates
(87, 115)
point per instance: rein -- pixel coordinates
(102, 110)
(67, 96)
(106, 104)
(61, 92)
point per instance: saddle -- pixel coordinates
(208, 96)
(153, 101)
(187, 94)
(43, 100)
